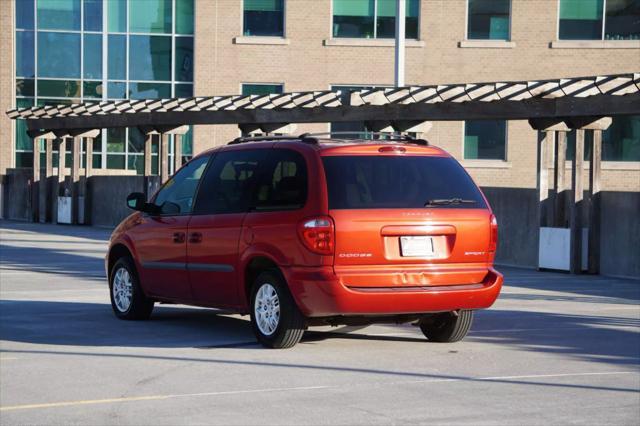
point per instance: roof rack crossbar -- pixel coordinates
(303, 138)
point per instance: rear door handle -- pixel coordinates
(178, 237)
(195, 237)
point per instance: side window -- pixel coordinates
(230, 182)
(284, 186)
(176, 196)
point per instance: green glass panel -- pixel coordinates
(24, 14)
(149, 90)
(25, 54)
(388, 8)
(488, 20)
(184, 16)
(117, 16)
(136, 162)
(413, 8)
(92, 15)
(154, 164)
(92, 56)
(622, 21)
(24, 159)
(183, 90)
(187, 143)
(485, 139)
(25, 87)
(150, 16)
(263, 5)
(136, 140)
(184, 59)
(150, 58)
(116, 90)
(58, 14)
(115, 161)
(92, 89)
(23, 141)
(117, 58)
(58, 55)
(581, 9)
(261, 89)
(116, 139)
(58, 88)
(353, 7)
(621, 141)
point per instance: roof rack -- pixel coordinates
(383, 137)
(312, 138)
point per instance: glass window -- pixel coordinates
(23, 141)
(58, 55)
(92, 15)
(150, 16)
(116, 90)
(485, 140)
(353, 18)
(373, 18)
(285, 183)
(581, 19)
(368, 182)
(24, 14)
(117, 59)
(184, 59)
(183, 90)
(488, 20)
(92, 89)
(58, 14)
(117, 15)
(263, 18)
(386, 19)
(25, 87)
(59, 88)
(261, 89)
(115, 161)
(92, 56)
(176, 196)
(622, 20)
(184, 16)
(149, 90)
(621, 141)
(25, 54)
(229, 183)
(115, 140)
(150, 58)
(571, 145)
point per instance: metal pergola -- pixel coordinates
(553, 107)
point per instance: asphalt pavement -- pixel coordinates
(554, 349)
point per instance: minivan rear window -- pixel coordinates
(390, 182)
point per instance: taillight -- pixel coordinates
(317, 234)
(493, 242)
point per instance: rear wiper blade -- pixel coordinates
(446, 201)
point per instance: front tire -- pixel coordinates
(275, 318)
(447, 327)
(128, 301)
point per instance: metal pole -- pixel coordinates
(400, 51)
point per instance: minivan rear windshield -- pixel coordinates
(389, 182)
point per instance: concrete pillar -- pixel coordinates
(49, 195)
(594, 205)
(164, 157)
(35, 182)
(560, 183)
(147, 154)
(88, 159)
(577, 192)
(546, 139)
(177, 152)
(88, 171)
(75, 178)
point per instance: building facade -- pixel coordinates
(65, 51)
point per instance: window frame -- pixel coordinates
(602, 30)
(466, 26)
(488, 160)
(284, 23)
(375, 25)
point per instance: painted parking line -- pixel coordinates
(293, 389)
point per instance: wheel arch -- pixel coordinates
(252, 269)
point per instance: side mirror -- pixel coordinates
(137, 201)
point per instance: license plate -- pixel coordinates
(416, 246)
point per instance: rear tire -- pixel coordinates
(446, 327)
(128, 301)
(275, 318)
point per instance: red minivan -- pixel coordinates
(303, 231)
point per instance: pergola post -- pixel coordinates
(164, 157)
(594, 205)
(35, 182)
(177, 152)
(75, 179)
(61, 184)
(560, 182)
(48, 196)
(575, 207)
(88, 171)
(546, 140)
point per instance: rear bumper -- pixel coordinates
(319, 293)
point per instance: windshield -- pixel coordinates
(388, 182)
